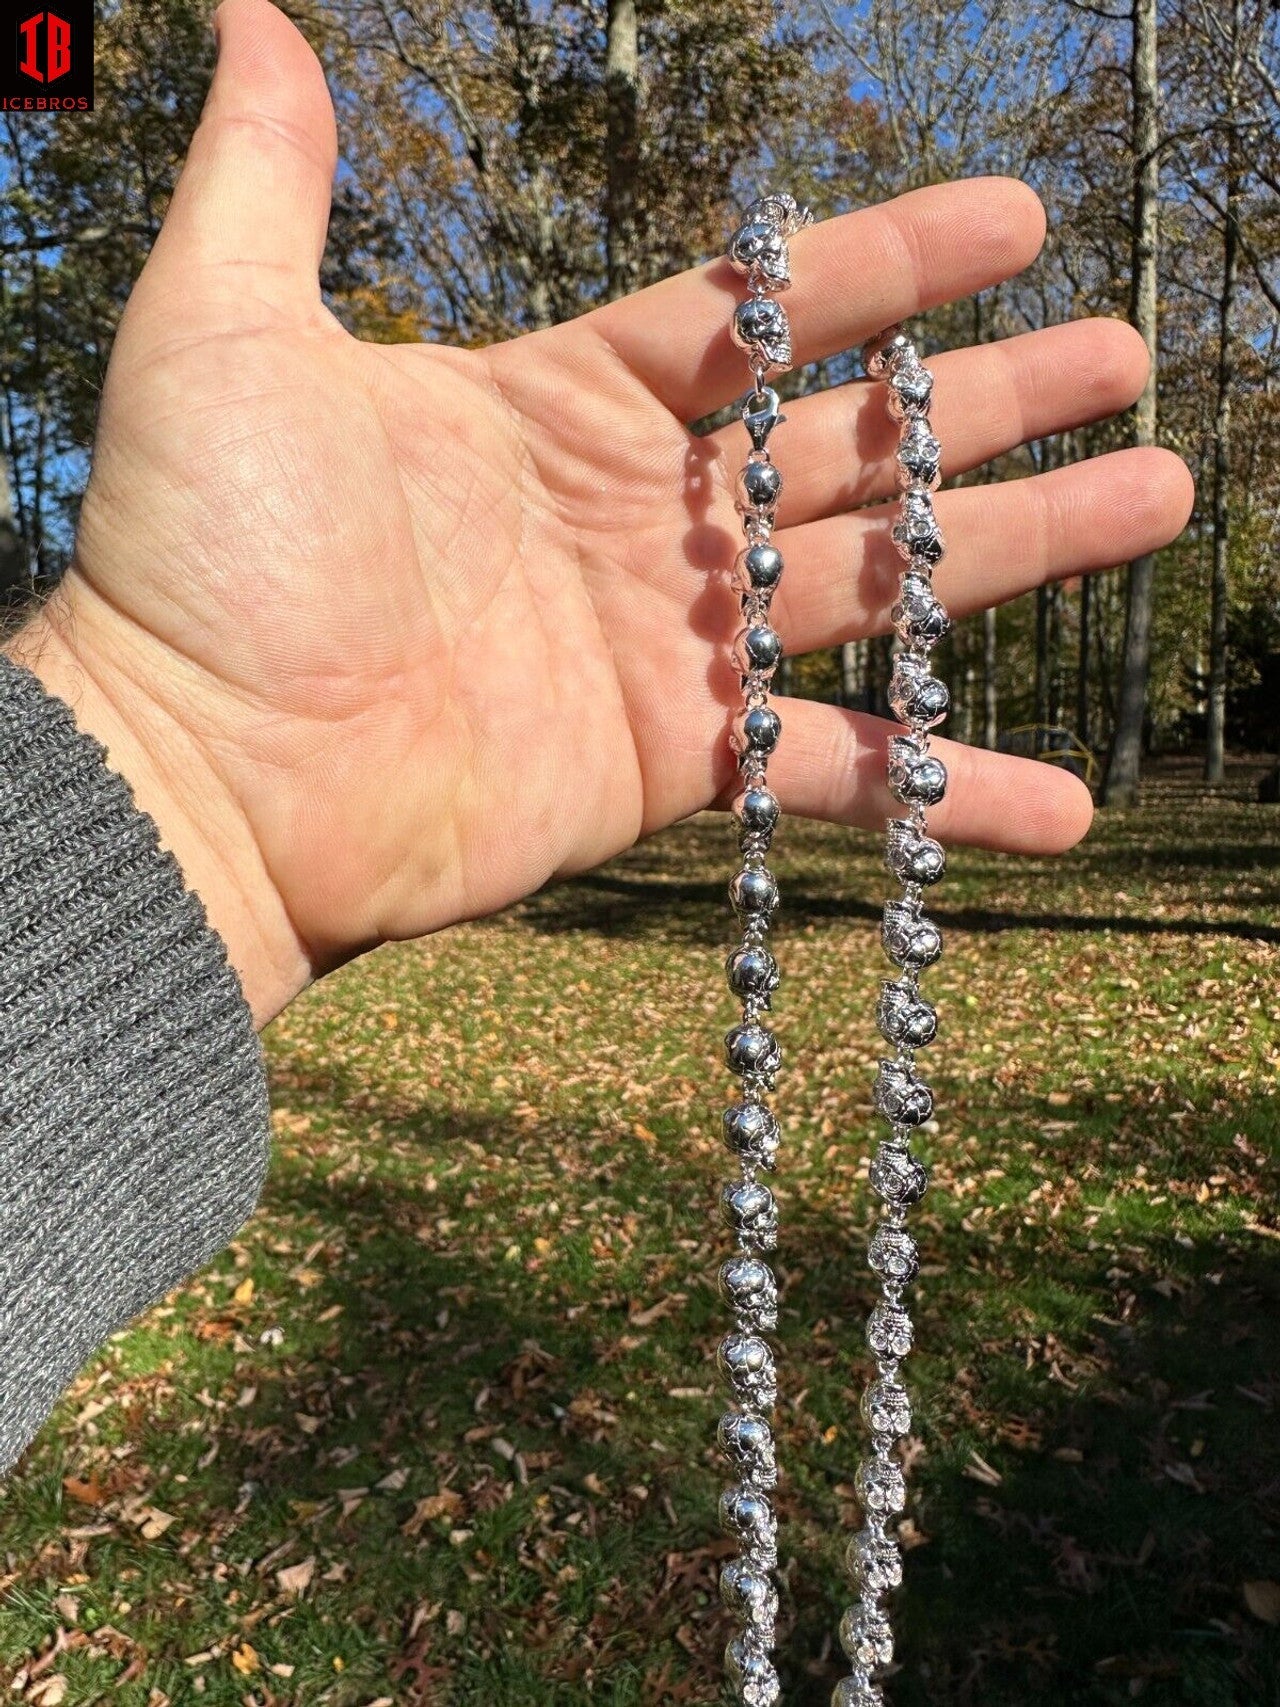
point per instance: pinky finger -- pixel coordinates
(830, 764)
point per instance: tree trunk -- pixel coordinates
(850, 672)
(622, 91)
(13, 558)
(1083, 720)
(1220, 588)
(1042, 663)
(990, 732)
(1121, 787)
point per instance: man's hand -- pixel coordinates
(385, 637)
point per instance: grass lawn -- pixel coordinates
(438, 1427)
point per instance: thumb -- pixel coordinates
(249, 216)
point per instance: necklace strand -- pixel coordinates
(759, 250)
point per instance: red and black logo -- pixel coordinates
(47, 62)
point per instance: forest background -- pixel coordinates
(508, 165)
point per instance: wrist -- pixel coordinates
(125, 689)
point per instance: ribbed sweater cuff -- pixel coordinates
(134, 1126)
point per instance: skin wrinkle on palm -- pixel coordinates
(353, 626)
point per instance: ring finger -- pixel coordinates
(1002, 540)
(836, 447)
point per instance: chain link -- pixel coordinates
(906, 1020)
(759, 250)
(917, 778)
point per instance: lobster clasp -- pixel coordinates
(761, 412)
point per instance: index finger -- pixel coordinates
(853, 275)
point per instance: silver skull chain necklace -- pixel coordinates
(906, 1020)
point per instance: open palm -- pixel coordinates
(388, 636)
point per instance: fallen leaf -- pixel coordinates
(245, 1659)
(444, 1504)
(1263, 1600)
(243, 1293)
(296, 1579)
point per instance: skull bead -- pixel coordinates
(754, 893)
(748, 1444)
(912, 856)
(889, 1330)
(919, 616)
(747, 1515)
(919, 457)
(916, 777)
(752, 972)
(758, 569)
(746, 1363)
(749, 1209)
(867, 1638)
(916, 696)
(752, 1049)
(881, 1487)
(761, 328)
(751, 1132)
(873, 1561)
(910, 940)
(886, 1409)
(904, 1017)
(748, 1593)
(901, 1096)
(756, 731)
(898, 1177)
(916, 532)
(893, 1254)
(751, 1674)
(749, 1288)
(857, 1692)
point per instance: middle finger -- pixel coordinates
(836, 447)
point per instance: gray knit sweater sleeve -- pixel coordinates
(133, 1104)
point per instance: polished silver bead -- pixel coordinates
(912, 856)
(916, 532)
(857, 1692)
(881, 352)
(910, 387)
(757, 650)
(867, 1638)
(893, 1253)
(904, 1017)
(750, 1211)
(747, 1364)
(919, 457)
(761, 328)
(752, 1049)
(759, 485)
(754, 893)
(886, 1409)
(756, 731)
(747, 1515)
(889, 1332)
(748, 1287)
(747, 1442)
(757, 811)
(897, 1176)
(758, 569)
(751, 1131)
(759, 250)
(874, 1562)
(910, 940)
(919, 616)
(751, 1674)
(748, 1593)
(752, 972)
(916, 778)
(901, 1095)
(881, 1487)
(916, 696)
